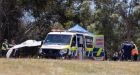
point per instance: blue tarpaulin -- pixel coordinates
(78, 28)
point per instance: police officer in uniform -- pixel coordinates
(4, 48)
(127, 47)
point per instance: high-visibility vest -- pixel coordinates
(135, 52)
(4, 46)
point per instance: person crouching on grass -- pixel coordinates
(134, 54)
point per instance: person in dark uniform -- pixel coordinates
(127, 47)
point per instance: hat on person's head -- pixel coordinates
(5, 40)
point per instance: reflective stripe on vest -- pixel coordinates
(89, 49)
(73, 48)
(4, 47)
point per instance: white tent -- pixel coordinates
(78, 28)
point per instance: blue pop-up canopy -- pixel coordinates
(78, 28)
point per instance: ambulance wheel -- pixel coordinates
(68, 55)
(73, 55)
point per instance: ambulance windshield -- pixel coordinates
(58, 39)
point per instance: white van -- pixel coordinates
(66, 44)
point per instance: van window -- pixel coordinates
(74, 41)
(58, 39)
(89, 41)
(80, 40)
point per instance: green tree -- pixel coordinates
(10, 14)
(116, 20)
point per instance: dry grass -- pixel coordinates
(66, 67)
